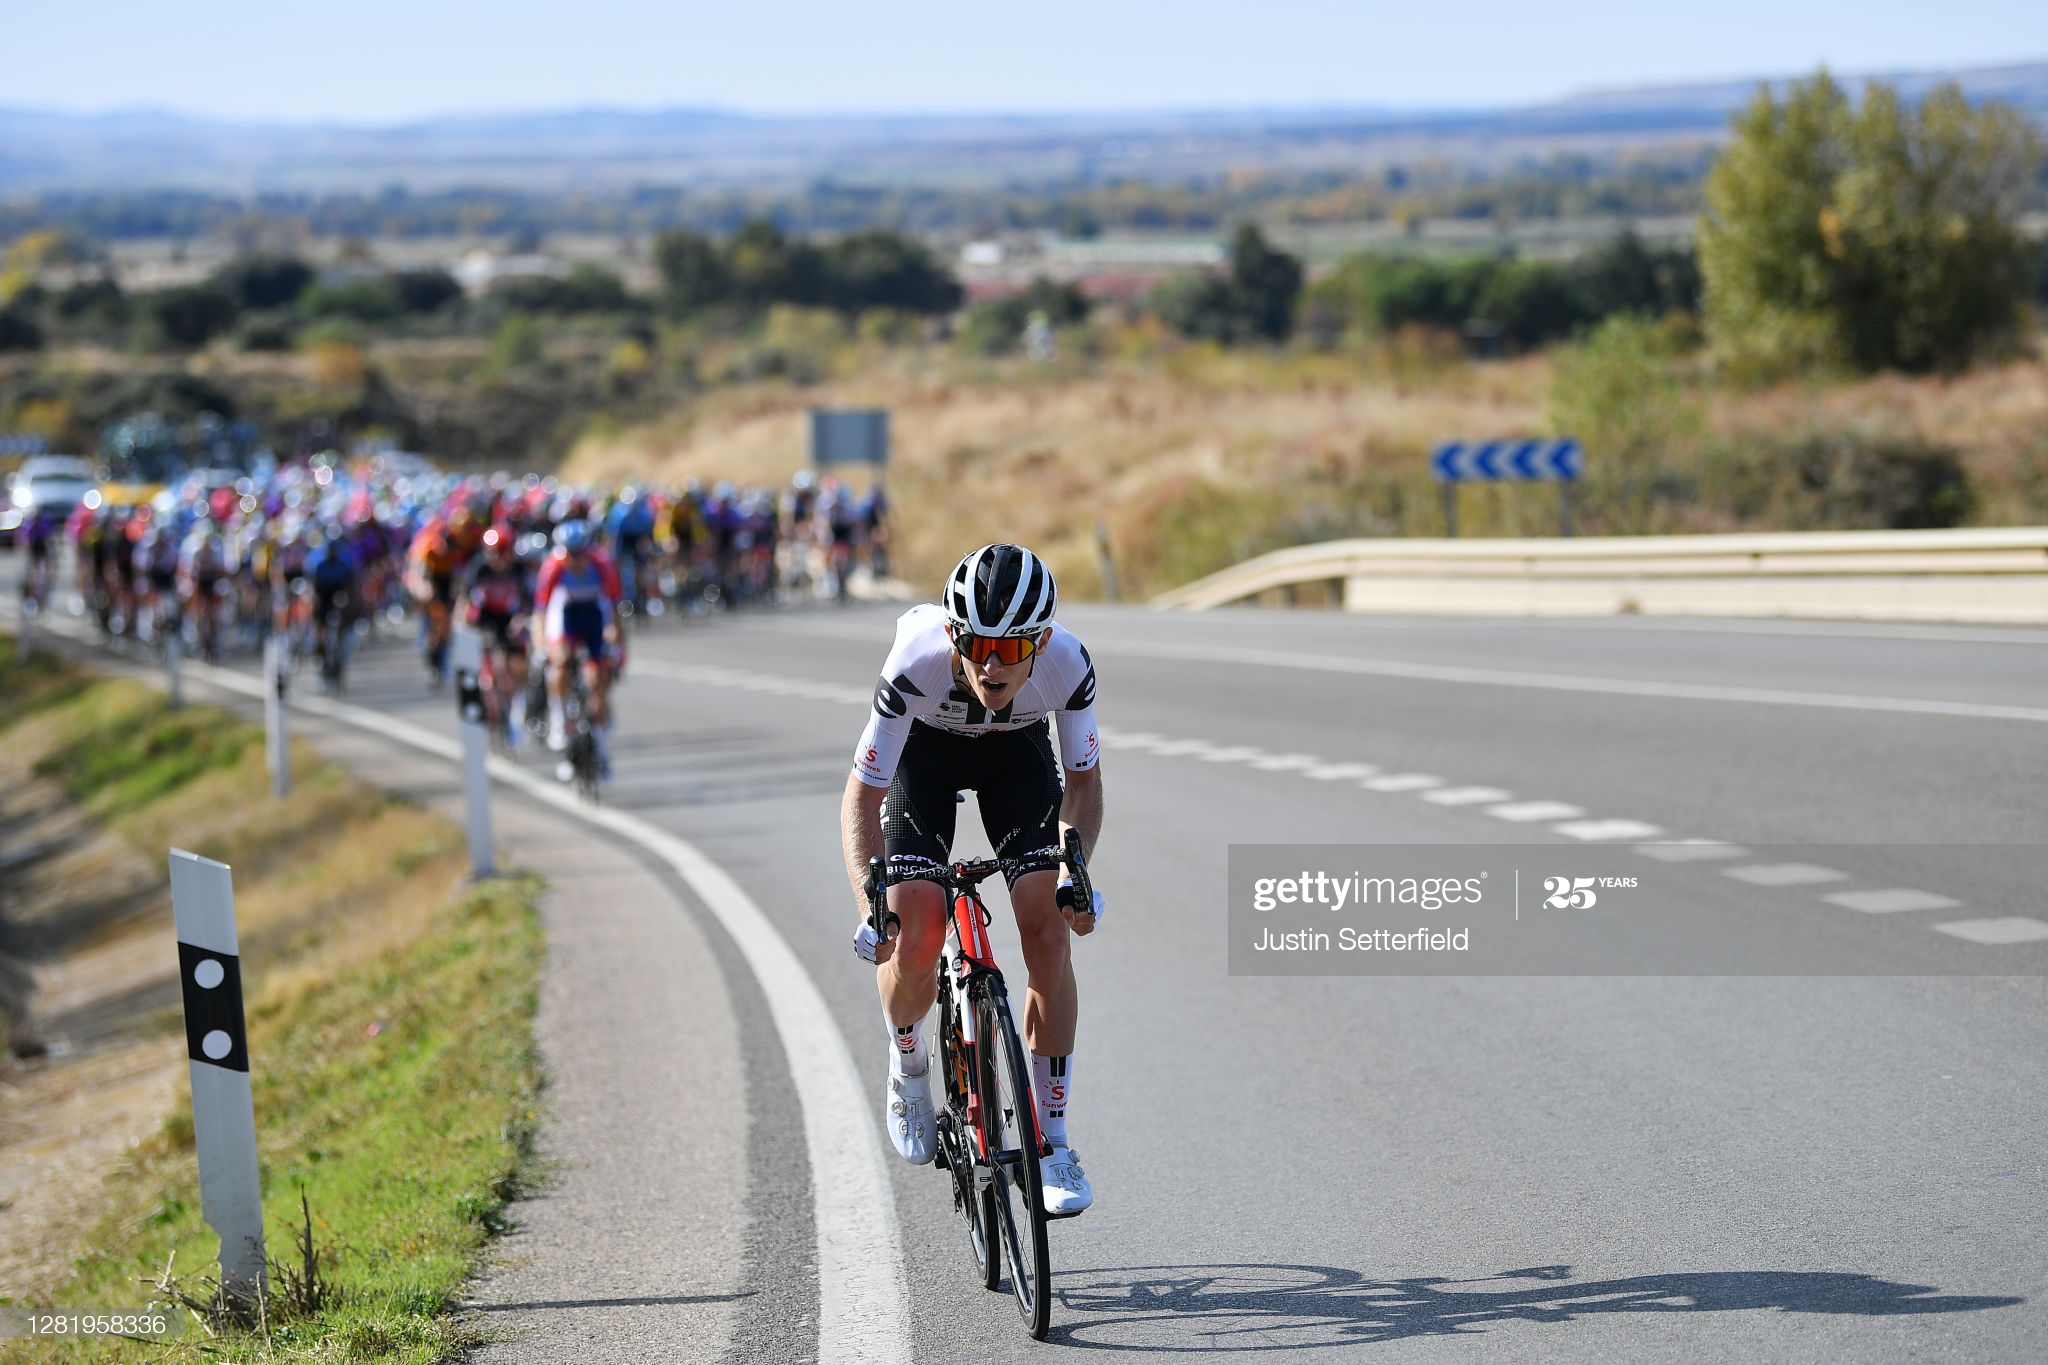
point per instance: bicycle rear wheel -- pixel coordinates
(977, 1206)
(1010, 1117)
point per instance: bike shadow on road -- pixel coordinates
(1275, 1307)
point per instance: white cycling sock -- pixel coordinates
(908, 1057)
(1052, 1084)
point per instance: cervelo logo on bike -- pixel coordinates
(1578, 893)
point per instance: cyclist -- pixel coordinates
(577, 600)
(332, 569)
(496, 602)
(962, 704)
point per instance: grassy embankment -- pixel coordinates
(1195, 458)
(390, 1014)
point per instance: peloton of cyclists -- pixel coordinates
(963, 704)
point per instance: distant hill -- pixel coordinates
(611, 149)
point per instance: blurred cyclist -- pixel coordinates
(577, 600)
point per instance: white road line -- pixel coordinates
(1528, 812)
(1468, 796)
(1340, 772)
(1280, 763)
(1235, 753)
(1997, 932)
(1566, 682)
(1402, 782)
(1594, 831)
(1784, 874)
(1891, 901)
(863, 1292)
(1692, 851)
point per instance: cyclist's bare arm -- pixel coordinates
(1081, 809)
(860, 837)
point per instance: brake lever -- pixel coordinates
(879, 913)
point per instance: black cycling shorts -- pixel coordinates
(1015, 780)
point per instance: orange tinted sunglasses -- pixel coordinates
(1004, 649)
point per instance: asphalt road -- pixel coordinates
(1562, 1168)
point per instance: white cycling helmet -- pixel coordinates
(1000, 590)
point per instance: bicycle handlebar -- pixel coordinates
(968, 875)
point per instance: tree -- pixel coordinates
(366, 301)
(193, 314)
(1255, 301)
(424, 291)
(693, 273)
(1267, 283)
(1625, 276)
(881, 269)
(264, 281)
(18, 331)
(1615, 391)
(1878, 236)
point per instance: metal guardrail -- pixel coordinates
(1980, 575)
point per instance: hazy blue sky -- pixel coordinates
(381, 60)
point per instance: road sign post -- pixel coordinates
(466, 653)
(1560, 462)
(276, 733)
(217, 1043)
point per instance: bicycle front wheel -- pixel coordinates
(1010, 1118)
(975, 1202)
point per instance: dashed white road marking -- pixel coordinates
(1466, 796)
(1784, 874)
(1529, 812)
(1997, 932)
(1597, 831)
(1692, 851)
(1890, 901)
(1233, 753)
(1402, 782)
(1340, 772)
(1280, 763)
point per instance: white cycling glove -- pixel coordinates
(865, 941)
(1064, 897)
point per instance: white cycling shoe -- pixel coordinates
(907, 1114)
(1067, 1191)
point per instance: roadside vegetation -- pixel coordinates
(1850, 340)
(390, 1017)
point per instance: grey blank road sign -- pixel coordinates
(854, 436)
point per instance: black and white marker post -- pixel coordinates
(223, 1109)
(466, 654)
(277, 742)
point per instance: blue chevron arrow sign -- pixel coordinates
(1507, 461)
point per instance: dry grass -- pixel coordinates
(1195, 457)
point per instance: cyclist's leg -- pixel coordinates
(1023, 802)
(1019, 792)
(918, 817)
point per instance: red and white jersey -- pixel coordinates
(597, 581)
(918, 688)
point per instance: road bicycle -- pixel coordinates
(579, 761)
(989, 1142)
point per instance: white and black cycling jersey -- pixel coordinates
(918, 687)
